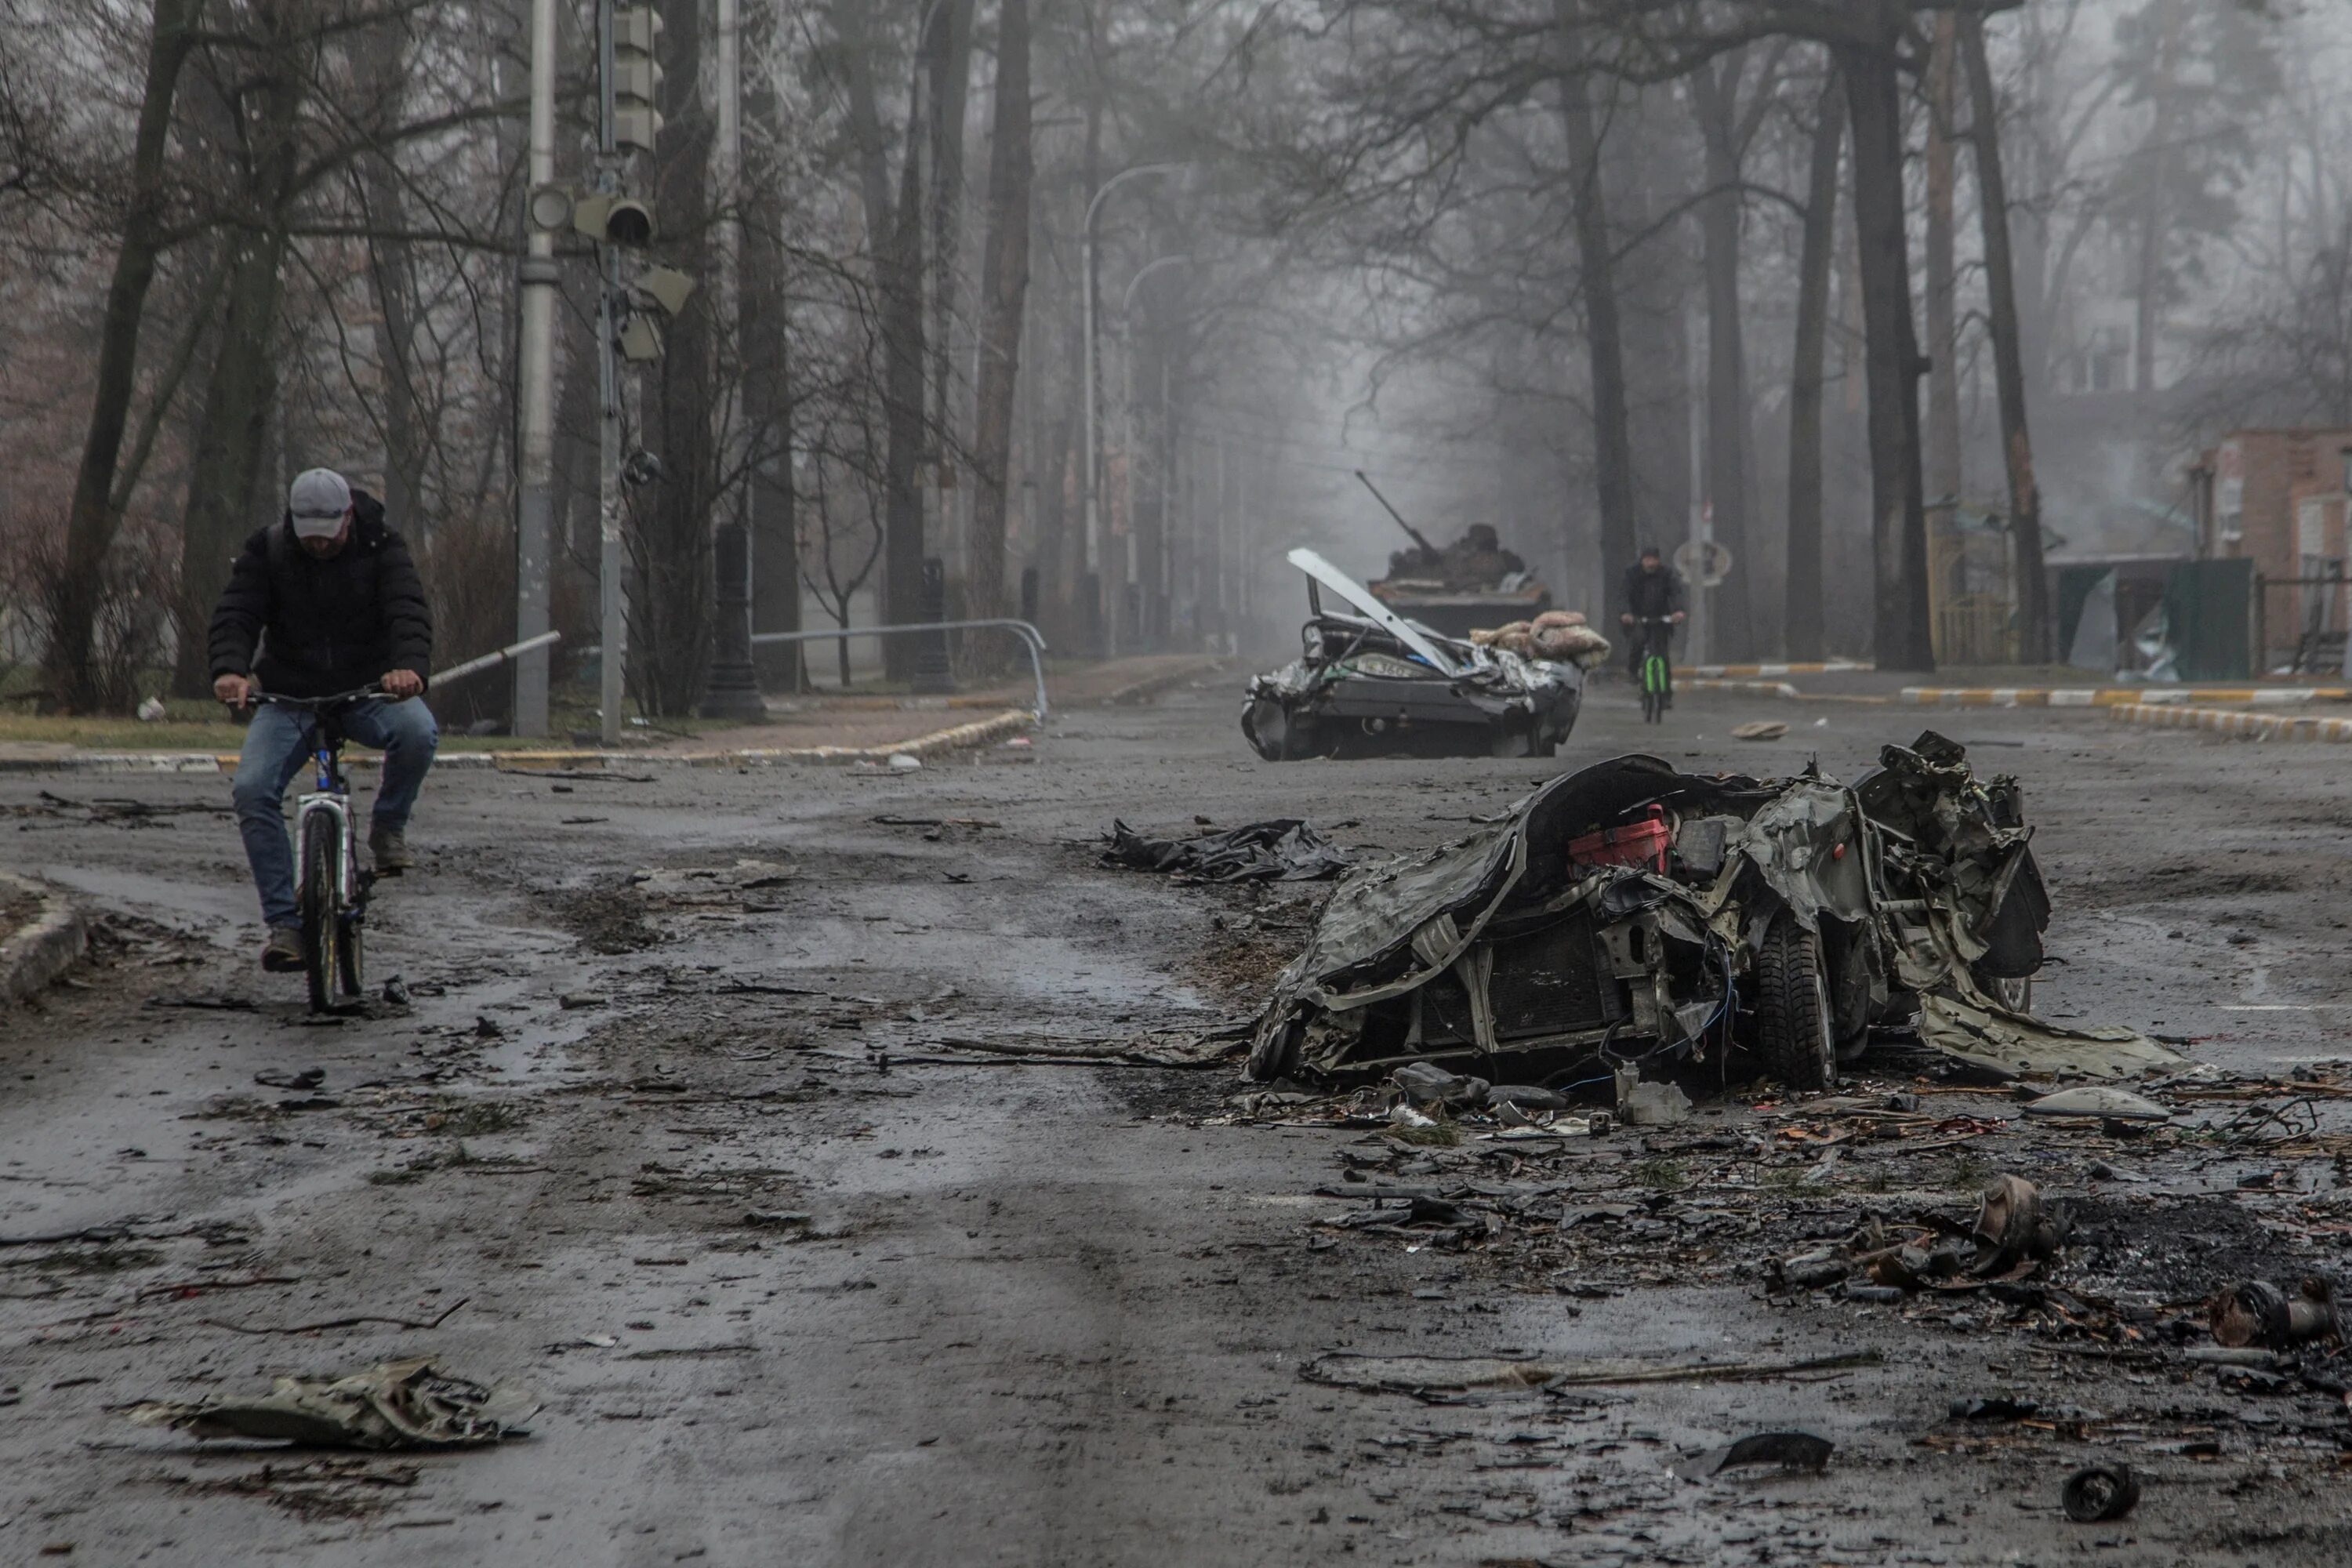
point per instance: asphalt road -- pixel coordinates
(783, 1305)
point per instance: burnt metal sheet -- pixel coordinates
(1496, 942)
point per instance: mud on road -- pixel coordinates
(781, 1131)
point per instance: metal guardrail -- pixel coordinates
(1031, 639)
(492, 661)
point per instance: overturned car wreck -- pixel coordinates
(1629, 916)
(1370, 683)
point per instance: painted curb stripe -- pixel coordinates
(2262, 726)
(2118, 696)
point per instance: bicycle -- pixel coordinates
(331, 891)
(1656, 678)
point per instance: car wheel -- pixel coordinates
(2016, 995)
(1793, 1024)
(1274, 1053)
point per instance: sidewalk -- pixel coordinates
(810, 729)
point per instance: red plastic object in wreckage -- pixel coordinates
(1643, 844)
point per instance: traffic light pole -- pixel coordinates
(612, 556)
(731, 689)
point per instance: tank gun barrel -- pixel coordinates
(1434, 552)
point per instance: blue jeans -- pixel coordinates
(278, 747)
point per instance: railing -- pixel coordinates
(1031, 639)
(492, 661)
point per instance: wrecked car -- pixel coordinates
(1370, 683)
(1632, 919)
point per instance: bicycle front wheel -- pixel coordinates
(322, 907)
(1653, 690)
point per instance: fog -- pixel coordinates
(1597, 274)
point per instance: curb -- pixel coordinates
(43, 950)
(1751, 688)
(959, 737)
(2118, 696)
(1821, 666)
(978, 732)
(1152, 684)
(2221, 721)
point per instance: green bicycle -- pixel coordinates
(1657, 678)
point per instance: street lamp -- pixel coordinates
(1128, 575)
(1086, 340)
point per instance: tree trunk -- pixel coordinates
(1714, 95)
(769, 397)
(90, 525)
(1613, 445)
(238, 393)
(392, 274)
(1003, 287)
(1943, 477)
(672, 611)
(904, 420)
(2034, 620)
(1891, 356)
(1804, 574)
(894, 229)
(950, 90)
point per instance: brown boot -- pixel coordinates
(389, 848)
(283, 953)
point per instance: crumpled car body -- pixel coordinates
(1630, 916)
(1369, 683)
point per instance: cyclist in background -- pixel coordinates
(324, 600)
(1654, 591)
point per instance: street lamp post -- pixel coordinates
(1088, 484)
(1128, 576)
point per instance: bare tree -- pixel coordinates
(1726, 125)
(1808, 364)
(90, 525)
(2036, 628)
(1004, 282)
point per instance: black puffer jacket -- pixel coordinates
(1651, 595)
(308, 629)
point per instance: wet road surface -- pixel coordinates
(715, 1160)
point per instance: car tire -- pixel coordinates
(2015, 994)
(1795, 1032)
(1274, 1053)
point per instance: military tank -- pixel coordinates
(1470, 584)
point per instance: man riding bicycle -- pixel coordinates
(1653, 592)
(329, 599)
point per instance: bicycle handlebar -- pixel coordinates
(316, 704)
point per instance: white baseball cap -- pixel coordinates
(318, 501)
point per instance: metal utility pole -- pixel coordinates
(733, 687)
(1127, 424)
(1090, 468)
(535, 504)
(610, 554)
(1696, 596)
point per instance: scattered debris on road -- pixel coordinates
(396, 1405)
(2257, 1312)
(2097, 1493)
(1285, 849)
(1790, 1450)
